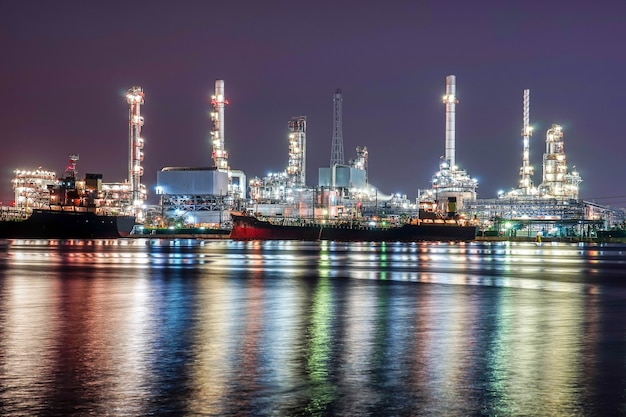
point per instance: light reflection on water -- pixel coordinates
(135, 327)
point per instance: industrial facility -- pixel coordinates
(32, 187)
(550, 209)
(450, 184)
(204, 196)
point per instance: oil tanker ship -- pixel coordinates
(65, 222)
(249, 227)
(70, 212)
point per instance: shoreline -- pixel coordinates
(220, 236)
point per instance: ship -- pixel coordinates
(59, 222)
(70, 212)
(247, 226)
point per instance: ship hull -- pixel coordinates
(251, 228)
(52, 224)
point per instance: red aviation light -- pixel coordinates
(214, 102)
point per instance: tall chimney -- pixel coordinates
(450, 101)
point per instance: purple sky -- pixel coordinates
(67, 64)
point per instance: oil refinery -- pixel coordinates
(204, 196)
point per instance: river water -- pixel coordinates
(135, 327)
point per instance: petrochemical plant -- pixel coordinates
(204, 196)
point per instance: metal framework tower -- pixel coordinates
(220, 155)
(296, 170)
(450, 101)
(526, 171)
(135, 98)
(336, 155)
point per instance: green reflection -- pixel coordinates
(323, 391)
(383, 256)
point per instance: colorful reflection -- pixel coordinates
(150, 327)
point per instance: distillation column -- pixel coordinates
(554, 162)
(336, 155)
(220, 155)
(296, 170)
(450, 101)
(526, 171)
(135, 98)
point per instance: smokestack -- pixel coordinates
(450, 101)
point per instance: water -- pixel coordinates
(223, 328)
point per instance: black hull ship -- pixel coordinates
(70, 212)
(250, 227)
(64, 224)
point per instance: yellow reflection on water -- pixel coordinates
(536, 352)
(216, 345)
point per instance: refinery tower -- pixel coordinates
(450, 184)
(557, 181)
(135, 98)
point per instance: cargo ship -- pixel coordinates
(69, 212)
(247, 226)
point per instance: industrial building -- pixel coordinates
(204, 195)
(551, 209)
(32, 187)
(342, 189)
(193, 195)
(450, 183)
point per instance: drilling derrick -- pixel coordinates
(526, 171)
(220, 155)
(336, 155)
(135, 98)
(296, 170)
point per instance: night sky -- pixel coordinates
(66, 65)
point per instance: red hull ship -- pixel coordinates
(249, 227)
